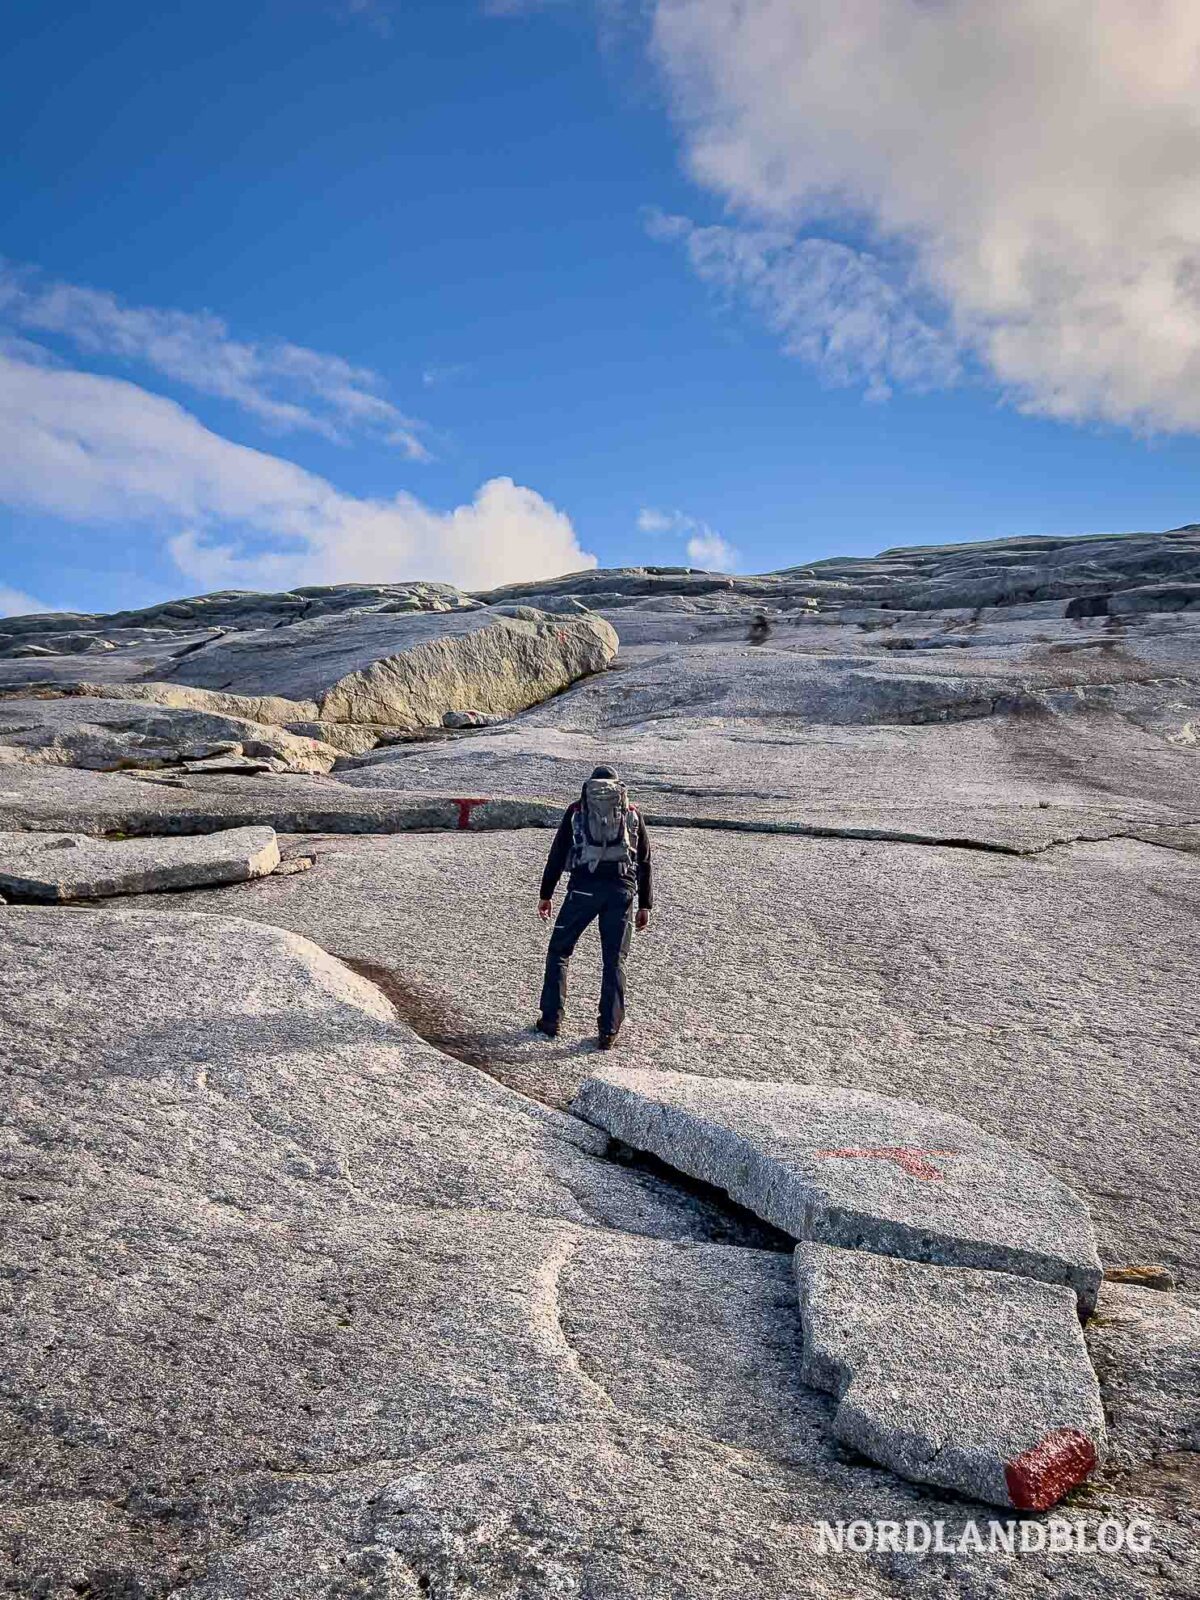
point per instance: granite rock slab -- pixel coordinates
(975, 1381)
(1009, 990)
(54, 867)
(860, 1170)
(999, 573)
(303, 1308)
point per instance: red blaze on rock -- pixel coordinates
(1040, 1476)
(913, 1162)
(464, 810)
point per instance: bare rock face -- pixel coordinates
(1145, 1347)
(1008, 990)
(237, 608)
(376, 675)
(976, 1381)
(296, 1306)
(305, 1298)
(42, 866)
(843, 1167)
(470, 719)
(303, 1254)
(127, 731)
(404, 670)
(265, 708)
(995, 572)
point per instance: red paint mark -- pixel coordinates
(464, 810)
(912, 1161)
(1039, 1477)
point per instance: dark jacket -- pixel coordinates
(560, 852)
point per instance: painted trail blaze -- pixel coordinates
(1040, 1476)
(914, 1162)
(464, 810)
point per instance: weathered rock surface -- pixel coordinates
(240, 608)
(842, 1167)
(825, 727)
(65, 799)
(1002, 783)
(1004, 724)
(1041, 997)
(41, 866)
(1145, 1347)
(103, 733)
(998, 572)
(297, 1307)
(350, 738)
(976, 1381)
(405, 670)
(469, 719)
(267, 709)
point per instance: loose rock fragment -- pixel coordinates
(841, 1166)
(294, 864)
(39, 866)
(470, 719)
(975, 1381)
(1150, 1276)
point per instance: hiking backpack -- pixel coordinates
(603, 827)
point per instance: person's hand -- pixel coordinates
(642, 920)
(544, 910)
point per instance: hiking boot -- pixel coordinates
(606, 1041)
(547, 1026)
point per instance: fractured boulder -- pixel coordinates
(405, 670)
(845, 1167)
(975, 1381)
(56, 867)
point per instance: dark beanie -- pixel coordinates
(605, 772)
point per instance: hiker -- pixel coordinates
(603, 843)
(759, 630)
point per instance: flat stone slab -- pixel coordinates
(69, 800)
(975, 1381)
(845, 1167)
(41, 866)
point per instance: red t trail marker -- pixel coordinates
(464, 810)
(911, 1161)
(1039, 1477)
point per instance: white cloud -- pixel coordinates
(434, 377)
(1037, 161)
(710, 551)
(705, 547)
(16, 603)
(833, 307)
(283, 385)
(651, 521)
(99, 449)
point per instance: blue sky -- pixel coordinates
(300, 290)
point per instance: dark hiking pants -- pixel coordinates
(610, 900)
